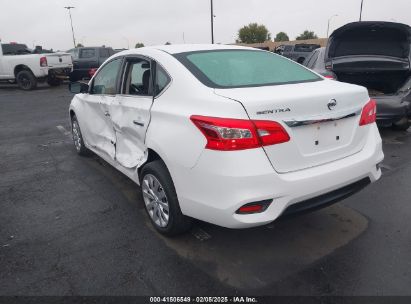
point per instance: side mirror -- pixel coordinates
(78, 87)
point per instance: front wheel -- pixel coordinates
(78, 138)
(160, 199)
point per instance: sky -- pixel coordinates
(123, 23)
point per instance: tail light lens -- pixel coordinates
(43, 62)
(226, 134)
(369, 113)
(329, 77)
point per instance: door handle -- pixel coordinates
(106, 113)
(136, 122)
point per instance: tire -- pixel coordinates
(54, 82)
(301, 60)
(402, 124)
(78, 138)
(26, 80)
(159, 193)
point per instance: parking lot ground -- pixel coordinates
(71, 225)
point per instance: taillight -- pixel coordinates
(369, 113)
(227, 134)
(329, 77)
(43, 62)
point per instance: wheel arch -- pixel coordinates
(21, 67)
(152, 155)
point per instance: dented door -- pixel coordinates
(95, 112)
(130, 113)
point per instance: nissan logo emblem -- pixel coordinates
(332, 104)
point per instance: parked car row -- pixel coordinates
(375, 55)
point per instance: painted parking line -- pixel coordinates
(64, 131)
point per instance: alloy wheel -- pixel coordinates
(155, 200)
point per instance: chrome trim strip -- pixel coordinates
(314, 120)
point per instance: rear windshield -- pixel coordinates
(243, 68)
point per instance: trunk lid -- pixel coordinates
(318, 134)
(370, 38)
(59, 60)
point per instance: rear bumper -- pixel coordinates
(60, 73)
(221, 183)
(391, 109)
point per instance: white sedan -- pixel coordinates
(229, 135)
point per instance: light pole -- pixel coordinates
(212, 22)
(362, 2)
(328, 27)
(71, 22)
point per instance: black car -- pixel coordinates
(375, 55)
(87, 59)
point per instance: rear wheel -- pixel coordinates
(26, 80)
(78, 138)
(161, 200)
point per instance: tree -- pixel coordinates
(253, 33)
(139, 45)
(79, 45)
(307, 35)
(281, 36)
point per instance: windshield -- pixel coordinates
(243, 68)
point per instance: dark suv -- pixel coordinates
(87, 59)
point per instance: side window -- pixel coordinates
(104, 53)
(288, 48)
(87, 53)
(312, 60)
(105, 82)
(307, 60)
(162, 80)
(138, 78)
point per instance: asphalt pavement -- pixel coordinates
(72, 225)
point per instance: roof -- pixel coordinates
(181, 48)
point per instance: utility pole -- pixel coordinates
(71, 22)
(362, 2)
(328, 27)
(212, 22)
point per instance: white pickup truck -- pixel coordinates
(18, 64)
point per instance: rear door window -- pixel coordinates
(162, 80)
